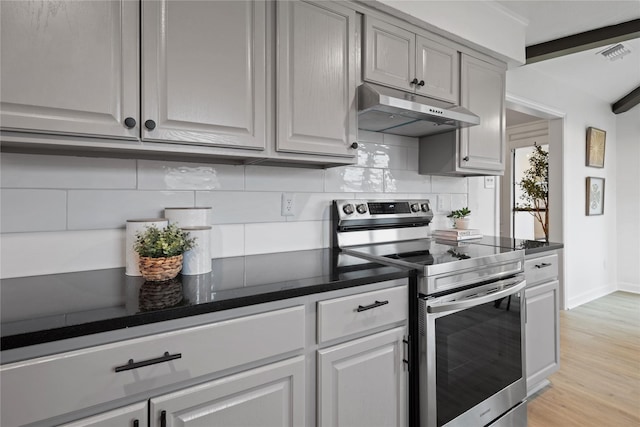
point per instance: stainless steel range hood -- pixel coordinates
(386, 110)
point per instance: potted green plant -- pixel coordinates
(535, 189)
(160, 251)
(460, 220)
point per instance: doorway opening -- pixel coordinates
(529, 124)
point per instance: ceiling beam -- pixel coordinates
(627, 102)
(583, 41)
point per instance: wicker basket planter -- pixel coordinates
(160, 269)
(159, 295)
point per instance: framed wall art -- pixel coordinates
(595, 147)
(595, 196)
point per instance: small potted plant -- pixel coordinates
(161, 250)
(460, 220)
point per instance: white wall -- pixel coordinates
(61, 214)
(590, 241)
(628, 207)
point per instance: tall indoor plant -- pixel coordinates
(535, 188)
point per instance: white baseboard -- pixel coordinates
(590, 296)
(629, 287)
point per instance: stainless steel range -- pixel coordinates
(467, 313)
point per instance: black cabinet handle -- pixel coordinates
(150, 124)
(136, 423)
(369, 307)
(414, 82)
(421, 83)
(465, 158)
(130, 122)
(133, 365)
(354, 145)
(163, 419)
(543, 265)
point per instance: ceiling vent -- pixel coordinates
(614, 52)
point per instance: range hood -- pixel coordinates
(386, 110)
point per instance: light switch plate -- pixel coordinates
(489, 182)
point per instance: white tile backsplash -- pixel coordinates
(51, 193)
(283, 236)
(230, 207)
(32, 210)
(102, 209)
(157, 175)
(402, 181)
(449, 184)
(354, 179)
(33, 254)
(64, 172)
(268, 178)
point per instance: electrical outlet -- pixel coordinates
(288, 205)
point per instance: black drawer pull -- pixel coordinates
(133, 365)
(369, 307)
(543, 265)
(136, 423)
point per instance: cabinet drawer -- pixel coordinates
(49, 386)
(352, 314)
(541, 269)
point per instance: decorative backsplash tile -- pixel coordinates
(83, 202)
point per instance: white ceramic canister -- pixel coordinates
(198, 259)
(189, 217)
(134, 226)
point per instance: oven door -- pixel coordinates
(472, 366)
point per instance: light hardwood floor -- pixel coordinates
(598, 383)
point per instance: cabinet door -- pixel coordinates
(204, 72)
(438, 66)
(542, 332)
(316, 78)
(482, 87)
(129, 416)
(69, 67)
(269, 396)
(363, 382)
(389, 54)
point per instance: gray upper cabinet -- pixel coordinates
(204, 72)
(483, 92)
(61, 76)
(399, 58)
(316, 79)
(475, 150)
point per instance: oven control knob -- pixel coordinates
(425, 207)
(415, 207)
(361, 208)
(348, 209)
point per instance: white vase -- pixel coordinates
(189, 217)
(198, 259)
(462, 223)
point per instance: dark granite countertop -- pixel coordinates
(529, 246)
(48, 308)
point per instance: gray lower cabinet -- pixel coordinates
(62, 76)
(363, 382)
(316, 99)
(543, 320)
(362, 377)
(475, 150)
(128, 416)
(270, 396)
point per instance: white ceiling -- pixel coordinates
(588, 71)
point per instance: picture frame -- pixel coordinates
(596, 139)
(595, 196)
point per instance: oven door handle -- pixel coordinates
(508, 289)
